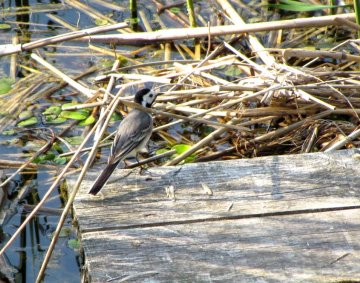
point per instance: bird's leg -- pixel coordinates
(137, 159)
(142, 168)
(126, 164)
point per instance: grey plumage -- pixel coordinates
(131, 137)
(133, 134)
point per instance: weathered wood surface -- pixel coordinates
(273, 219)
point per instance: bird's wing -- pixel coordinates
(132, 132)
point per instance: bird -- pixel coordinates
(131, 137)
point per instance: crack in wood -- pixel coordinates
(222, 218)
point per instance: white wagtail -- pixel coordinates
(131, 137)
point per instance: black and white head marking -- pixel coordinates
(145, 97)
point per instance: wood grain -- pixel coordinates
(272, 219)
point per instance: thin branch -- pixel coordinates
(186, 33)
(10, 48)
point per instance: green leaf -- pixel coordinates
(101, 22)
(5, 85)
(65, 232)
(175, 10)
(206, 130)
(132, 20)
(33, 145)
(52, 110)
(56, 147)
(3, 112)
(53, 119)
(79, 114)
(298, 6)
(190, 158)
(76, 140)
(181, 148)
(49, 156)
(5, 26)
(123, 60)
(8, 133)
(294, 2)
(74, 244)
(116, 117)
(233, 71)
(60, 160)
(25, 115)
(88, 121)
(68, 105)
(75, 115)
(106, 63)
(44, 157)
(161, 151)
(28, 122)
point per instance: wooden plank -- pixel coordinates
(239, 188)
(272, 219)
(319, 247)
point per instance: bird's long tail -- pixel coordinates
(102, 178)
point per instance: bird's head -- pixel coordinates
(145, 97)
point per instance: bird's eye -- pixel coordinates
(151, 95)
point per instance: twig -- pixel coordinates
(274, 134)
(106, 96)
(226, 104)
(181, 33)
(13, 60)
(254, 42)
(310, 144)
(307, 96)
(56, 19)
(6, 164)
(344, 141)
(160, 9)
(43, 149)
(111, 109)
(48, 193)
(87, 92)
(302, 53)
(181, 117)
(10, 49)
(198, 66)
(84, 149)
(201, 143)
(93, 13)
(151, 159)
